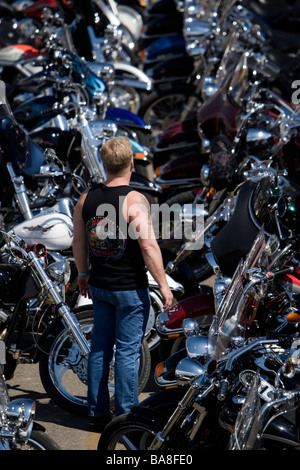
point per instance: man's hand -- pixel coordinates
(83, 284)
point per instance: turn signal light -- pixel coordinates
(293, 317)
(142, 54)
(140, 156)
(159, 369)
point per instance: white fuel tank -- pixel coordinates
(51, 227)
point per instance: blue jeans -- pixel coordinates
(120, 319)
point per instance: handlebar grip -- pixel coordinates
(281, 272)
(223, 389)
(54, 174)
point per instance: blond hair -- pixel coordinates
(116, 154)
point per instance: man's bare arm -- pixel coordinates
(139, 218)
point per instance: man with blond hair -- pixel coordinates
(113, 246)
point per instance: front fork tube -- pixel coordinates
(162, 435)
(70, 319)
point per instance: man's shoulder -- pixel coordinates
(135, 197)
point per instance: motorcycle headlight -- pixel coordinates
(21, 413)
(198, 348)
(60, 271)
(190, 327)
(187, 370)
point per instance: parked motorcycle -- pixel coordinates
(214, 374)
(38, 326)
(227, 236)
(18, 430)
(254, 416)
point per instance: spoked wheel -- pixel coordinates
(63, 368)
(161, 109)
(132, 432)
(128, 432)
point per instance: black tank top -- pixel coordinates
(116, 259)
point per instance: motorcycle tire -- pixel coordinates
(66, 383)
(38, 440)
(133, 431)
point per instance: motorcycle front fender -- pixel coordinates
(53, 326)
(151, 415)
(129, 75)
(164, 402)
(282, 430)
(169, 45)
(126, 118)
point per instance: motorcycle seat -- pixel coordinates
(235, 239)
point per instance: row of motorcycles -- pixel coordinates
(229, 369)
(206, 93)
(67, 85)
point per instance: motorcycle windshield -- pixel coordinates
(231, 56)
(248, 425)
(227, 324)
(234, 65)
(239, 83)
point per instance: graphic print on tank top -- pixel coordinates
(105, 238)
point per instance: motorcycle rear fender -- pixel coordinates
(198, 306)
(36, 9)
(174, 285)
(140, 152)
